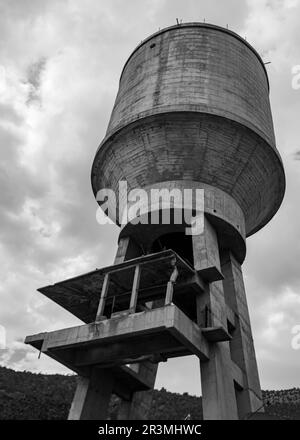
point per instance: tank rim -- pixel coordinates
(203, 25)
(281, 172)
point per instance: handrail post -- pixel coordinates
(135, 288)
(170, 285)
(102, 301)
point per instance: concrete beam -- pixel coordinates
(113, 337)
(206, 253)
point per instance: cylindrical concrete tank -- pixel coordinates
(193, 106)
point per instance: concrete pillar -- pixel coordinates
(92, 396)
(138, 406)
(206, 252)
(141, 404)
(218, 392)
(249, 398)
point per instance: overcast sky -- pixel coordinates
(60, 63)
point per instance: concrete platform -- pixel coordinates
(165, 332)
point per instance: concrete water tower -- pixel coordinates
(192, 112)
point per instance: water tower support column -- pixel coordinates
(249, 398)
(218, 393)
(92, 396)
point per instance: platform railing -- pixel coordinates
(135, 289)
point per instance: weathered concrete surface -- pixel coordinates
(225, 213)
(217, 381)
(206, 252)
(110, 340)
(92, 396)
(193, 104)
(202, 67)
(196, 147)
(249, 398)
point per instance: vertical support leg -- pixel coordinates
(218, 393)
(92, 396)
(249, 399)
(141, 401)
(138, 407)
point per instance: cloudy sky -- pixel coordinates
(60, 63)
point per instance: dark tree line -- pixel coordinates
(29, 396)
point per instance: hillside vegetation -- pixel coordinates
(29, 396)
